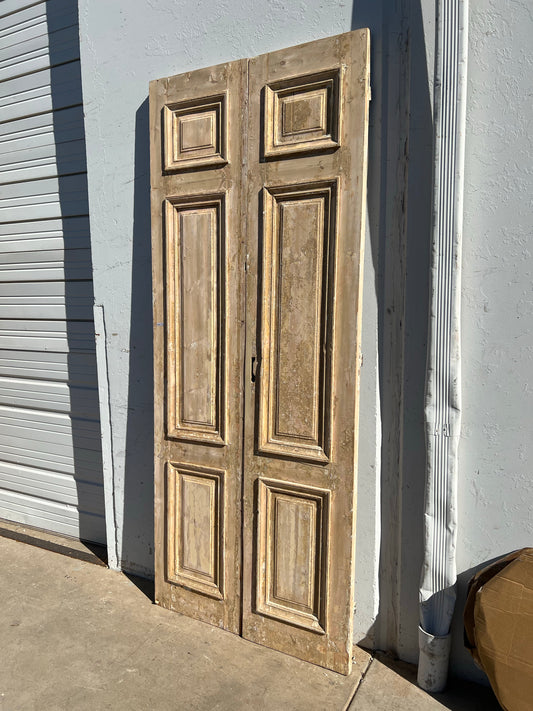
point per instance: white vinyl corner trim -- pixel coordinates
(443, 375)
(107, 449)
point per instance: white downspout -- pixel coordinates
(443, 375)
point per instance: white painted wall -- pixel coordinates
(495, 499)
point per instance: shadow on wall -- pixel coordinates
(399, 223)
(138, 526)
(69, 138)
(137, 541)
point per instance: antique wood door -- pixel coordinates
(198, 291)
(258, 187)
(303, 323)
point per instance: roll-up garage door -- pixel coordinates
(50, 450)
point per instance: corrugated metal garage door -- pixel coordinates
(50, 450)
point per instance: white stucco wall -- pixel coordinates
(494, 491)
(495, 499)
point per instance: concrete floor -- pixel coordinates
(77, 636)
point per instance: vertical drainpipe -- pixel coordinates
(443, 374)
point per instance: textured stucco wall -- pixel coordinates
(494, 491)
(125, 44)
(495, 499)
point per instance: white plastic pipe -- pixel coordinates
(443, 376)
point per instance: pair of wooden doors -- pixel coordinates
(258, 183)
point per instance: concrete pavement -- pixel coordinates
(77, 636)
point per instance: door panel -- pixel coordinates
(292, 580)
(258, 174)
(298, 273)
(305, 194)
(195, 519)
(196, 306)
(198, 283)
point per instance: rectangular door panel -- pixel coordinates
(293, 554)
(298, 273)
(195, 516)
(196, 280)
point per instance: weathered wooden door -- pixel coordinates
(198, 285)
(303, 322)
(258, 173)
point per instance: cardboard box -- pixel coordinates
(498, 621)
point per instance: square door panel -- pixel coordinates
(194, 133)
(302, 114)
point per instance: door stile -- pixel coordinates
(246, 366)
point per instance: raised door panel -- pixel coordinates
(196, 521)
(305, 195)
(292, 579)
(196, 158)
(301, 114)
(196, 290)
(298, 276)
(194, 133)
